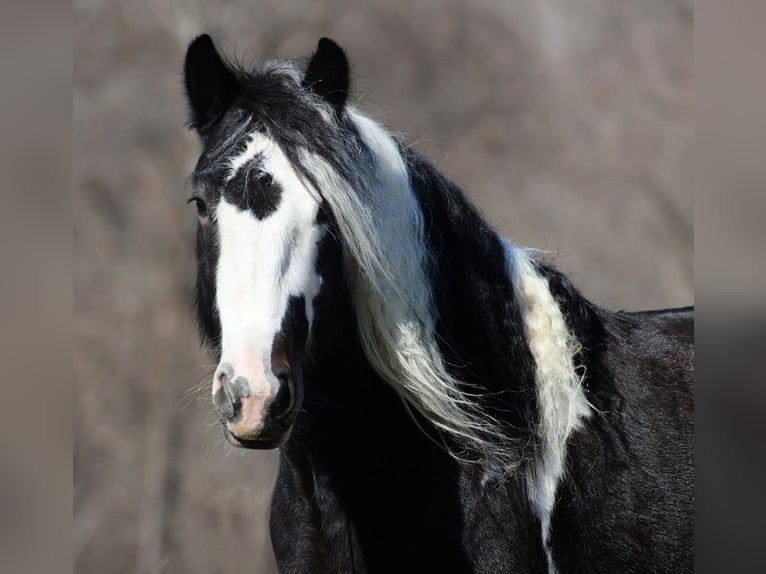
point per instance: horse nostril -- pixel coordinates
(223, 403)
(285, 399)
(226, 399)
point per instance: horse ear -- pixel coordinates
(328, 73)
(210, 84)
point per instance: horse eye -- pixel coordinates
(201, 206)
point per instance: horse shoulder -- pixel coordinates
(631, 466)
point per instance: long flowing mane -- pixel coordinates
(382, 225)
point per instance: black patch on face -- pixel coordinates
(254, 190)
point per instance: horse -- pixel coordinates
(442, 399)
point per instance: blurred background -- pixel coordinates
(568, 122)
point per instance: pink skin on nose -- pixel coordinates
(252, 369)
(246, 425)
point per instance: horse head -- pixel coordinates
(261, 219)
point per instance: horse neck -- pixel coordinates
(479, 326)
(348, 407)
(340, 383)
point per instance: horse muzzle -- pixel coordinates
(256, 412)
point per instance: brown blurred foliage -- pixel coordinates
(569, 122)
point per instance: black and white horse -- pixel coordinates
(443, 400)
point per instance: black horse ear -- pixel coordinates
(328, 73)
(210, 84)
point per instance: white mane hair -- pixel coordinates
(561, 401)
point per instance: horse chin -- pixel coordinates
(269, 442)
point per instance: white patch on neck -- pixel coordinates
(560, 397)
(263, 262)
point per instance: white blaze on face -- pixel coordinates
(261, 264)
